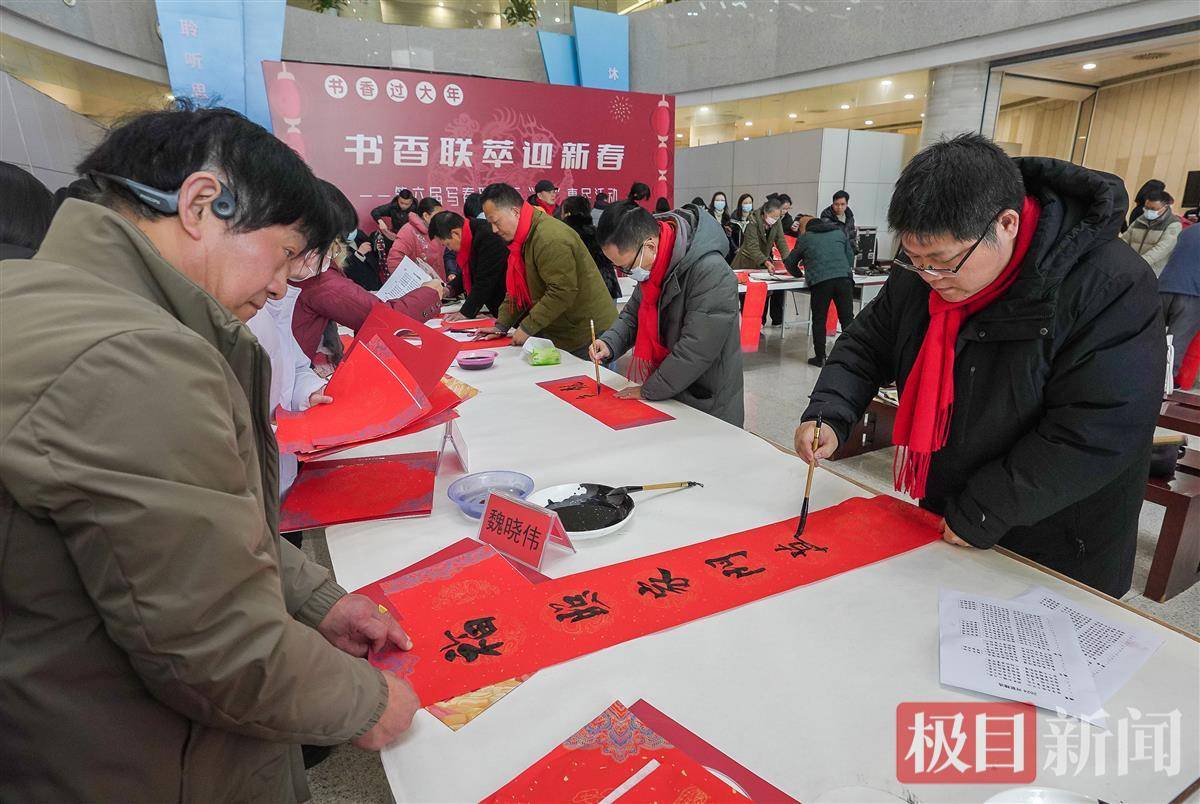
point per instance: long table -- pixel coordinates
(801, 687)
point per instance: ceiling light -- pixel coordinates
(704, 108)
(749, 122)
(1091, 65)
(558, 19)
(170, 96)
(792, 115)
(885, 83)
(745, 139)
(922, 114)
(909, 96)
(845, 106)
(441, 4)
(678, 136)
(869, 122)
(847, 8)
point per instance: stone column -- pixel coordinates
(960, 100)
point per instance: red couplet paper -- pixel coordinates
(373, 395)
(752, 310)
(356, 489)
(468, 325)
(489, 343)
(619, 414)
(513, 628)
(424, 351)
(708, 755)
(520, 529)
(423, 423)
(616, 752)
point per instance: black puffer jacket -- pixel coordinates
(1057, 386)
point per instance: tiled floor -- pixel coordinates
(778, 381)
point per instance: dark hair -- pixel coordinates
(342, 212)
(771, 203)
(427, 205)
(713, 209)
(1168, 198)
(441, 224)
(472, 205)
(639, 191)
(601, 196)
(1154, 195)
(270, 182)
(698, 201)
(577, 205)
(625, 225)
(841, 194)
(662, 205)
(784, 198)
(501, 195)
(28, 208)
(737, 212)
(405, 193)
(1153, 184)
(955, 187)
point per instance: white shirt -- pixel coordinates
(293, 380)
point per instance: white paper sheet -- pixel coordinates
(407, 277)
(1113, 652)
(1018, 651)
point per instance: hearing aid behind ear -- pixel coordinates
(223, 206)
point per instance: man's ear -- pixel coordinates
(196, 196)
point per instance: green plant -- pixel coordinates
(521, 12)
(325, 5)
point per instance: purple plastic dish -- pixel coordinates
(474, 361)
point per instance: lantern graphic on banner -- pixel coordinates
(661, 123)
(284, 97)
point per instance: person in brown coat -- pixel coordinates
(158, 640)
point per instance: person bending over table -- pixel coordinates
(828, 272)
(482, 258)
(160, 641)
(682, 319)
(764, 231)
(328, 295)
(1027, 341)
(553, 288)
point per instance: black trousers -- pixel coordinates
(841, 293)
(774, 306)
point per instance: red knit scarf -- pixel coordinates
(518, 285)
(923, 419)
(547, 208)
(464, 255)
(648, 350)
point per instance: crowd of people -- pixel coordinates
(176, 302)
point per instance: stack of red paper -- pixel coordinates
(389, 384)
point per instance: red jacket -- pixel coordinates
(330, 296)
(413, 241)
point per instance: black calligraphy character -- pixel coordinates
(532, 536)
(478, 629)
(800, 548)
(575, 386)
(664, 584)
(513, 526)
(727, 565)
(579, 607)
(495, 521)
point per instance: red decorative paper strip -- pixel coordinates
(423, 423)
(357, 489)
(613, 750)
(492, 343)
(478, 624)
(752, 310)
(424, 351)
(373, 395)
(619, 414)
(468, 325)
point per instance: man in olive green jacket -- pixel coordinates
(158, 641)
(566, 288)
(762, 232)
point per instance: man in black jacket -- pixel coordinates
(1054, 386)
(483, 269)
(840, 215)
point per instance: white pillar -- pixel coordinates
(960, 100)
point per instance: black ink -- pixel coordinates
(727, 565)
(478, 629)
(663, 585)
(799, 547)
(579, 607)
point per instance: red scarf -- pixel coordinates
(547, 208)
(518, 285)
(923, 419)
(648, 350)
(464, 255)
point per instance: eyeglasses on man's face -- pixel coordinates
(902, 260)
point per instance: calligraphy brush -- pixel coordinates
(595, 362)
(808, 484)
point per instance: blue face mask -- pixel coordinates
(747, 207)
(353, 234)
(719, 204)
(481, 216)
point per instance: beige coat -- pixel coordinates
(757, 241)
(157, 638)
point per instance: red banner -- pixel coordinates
(373, 131)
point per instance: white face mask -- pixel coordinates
(481, 217)
(747, 207)
(1152, 214)
(770, 221)
(719, 204)
(636, 271)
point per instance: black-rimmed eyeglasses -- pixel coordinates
(902, 260)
